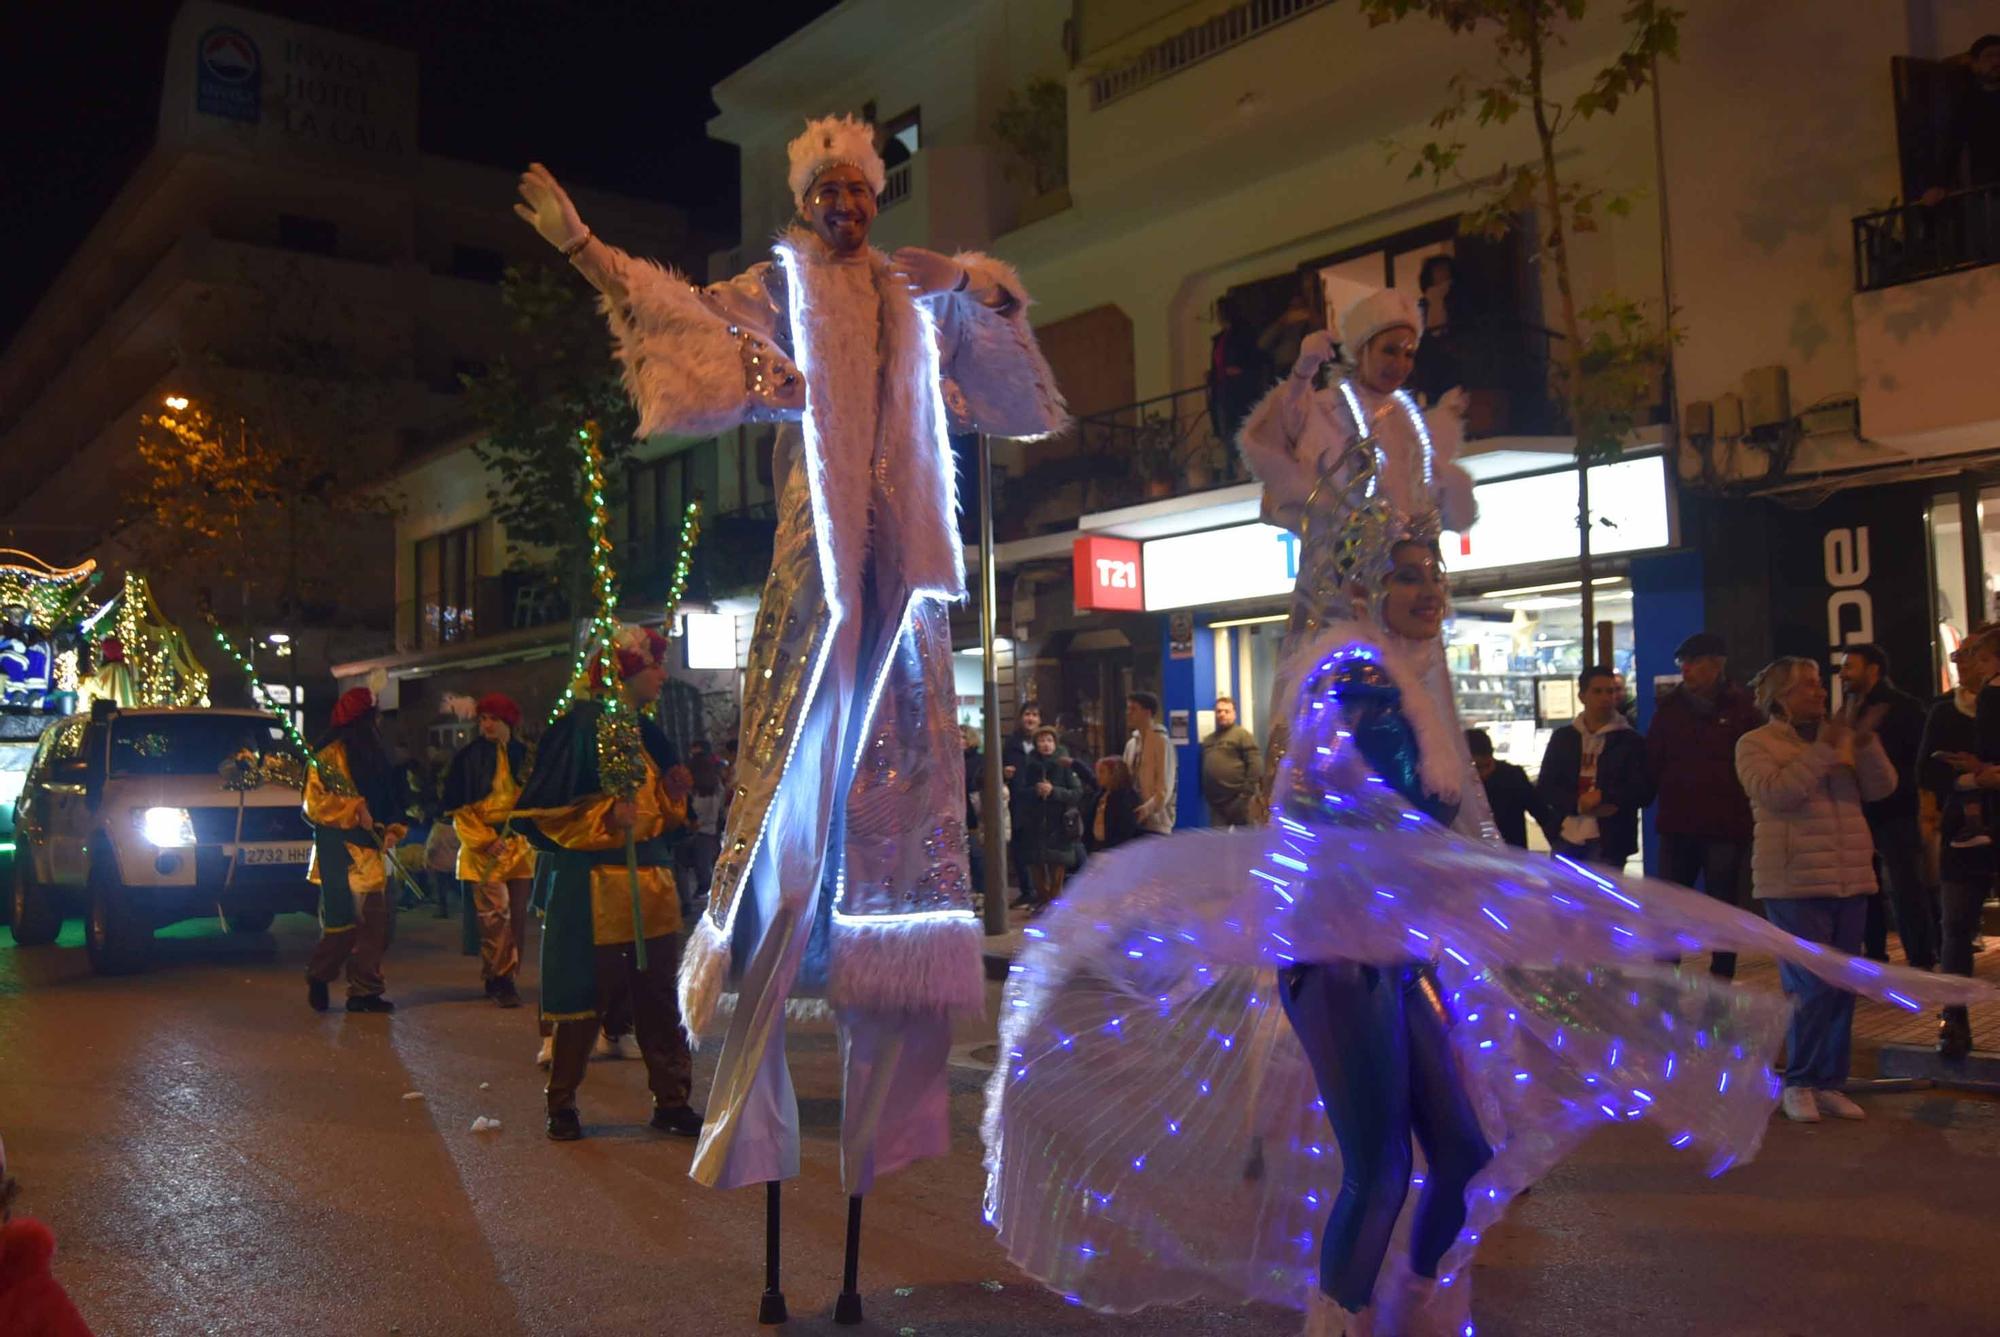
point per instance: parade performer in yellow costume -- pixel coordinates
(600, 901)
(350, 783)
(496, 867)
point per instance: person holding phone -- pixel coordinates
(1812, 860)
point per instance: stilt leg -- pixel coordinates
(771, 1310)
(847, 1309)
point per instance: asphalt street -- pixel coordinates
(215, 1158)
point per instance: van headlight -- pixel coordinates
(165, 828)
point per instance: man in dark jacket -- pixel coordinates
(1594, 778)
(1899, 862)
(1020, 745)
(1703, 815)
(1509, 792)
(1948, 764)
(1231, 768)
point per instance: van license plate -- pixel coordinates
(262, 854)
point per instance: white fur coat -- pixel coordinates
(878, 371)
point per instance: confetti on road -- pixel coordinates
(482, 1124)
(413, 1095)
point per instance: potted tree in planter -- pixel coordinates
(1033, 123)
(1156, 454)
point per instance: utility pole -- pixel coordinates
(992, 802)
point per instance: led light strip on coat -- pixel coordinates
(1417, 424)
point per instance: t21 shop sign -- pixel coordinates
(1106, 575)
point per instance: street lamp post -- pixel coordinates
(992, 813)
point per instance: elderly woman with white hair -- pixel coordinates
(1812, 861)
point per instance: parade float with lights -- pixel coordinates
(41, 642)
(62, 650)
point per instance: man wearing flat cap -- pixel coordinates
(1702, 814)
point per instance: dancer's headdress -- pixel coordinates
(833, 141)
(1383, 309)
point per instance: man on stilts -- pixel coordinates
(843, 865)
(613, 917)
(496, 868)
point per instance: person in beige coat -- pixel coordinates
(1812, 861)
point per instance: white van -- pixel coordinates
(144, 817)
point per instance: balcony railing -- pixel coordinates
(1180, 444)
(895, 187)
(511, 601)
(1921, 241)
(1164, 447)
(1191, 46)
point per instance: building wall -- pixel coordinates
(1271, 154)
(1764, 175)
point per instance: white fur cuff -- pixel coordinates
(704, 970)
(908, 963)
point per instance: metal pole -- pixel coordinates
(1587, 621)
(992, 792)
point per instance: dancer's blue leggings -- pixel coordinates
(1380, 1054)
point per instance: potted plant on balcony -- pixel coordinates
(1156, 454)
(1033, 123)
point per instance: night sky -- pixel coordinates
(614, 91)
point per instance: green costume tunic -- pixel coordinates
(581, 885)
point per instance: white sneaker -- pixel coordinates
(1978, 842)
(611, 1046)
(1799, 1105)
(547, 1053)
(1838, 1104)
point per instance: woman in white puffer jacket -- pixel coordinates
(1812, 861)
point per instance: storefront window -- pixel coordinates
(1948, 566)
(1959, 608)
(1515, 653)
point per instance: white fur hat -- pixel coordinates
(829, 142)
(1383, 309)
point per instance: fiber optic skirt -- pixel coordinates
(1153, 1132)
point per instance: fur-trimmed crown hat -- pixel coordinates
(830, 142)
(1383, 309)
(501, 707)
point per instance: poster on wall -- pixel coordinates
(1854, 569)
(1180, 635)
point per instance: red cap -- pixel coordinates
(501, 707)
(353, 704)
